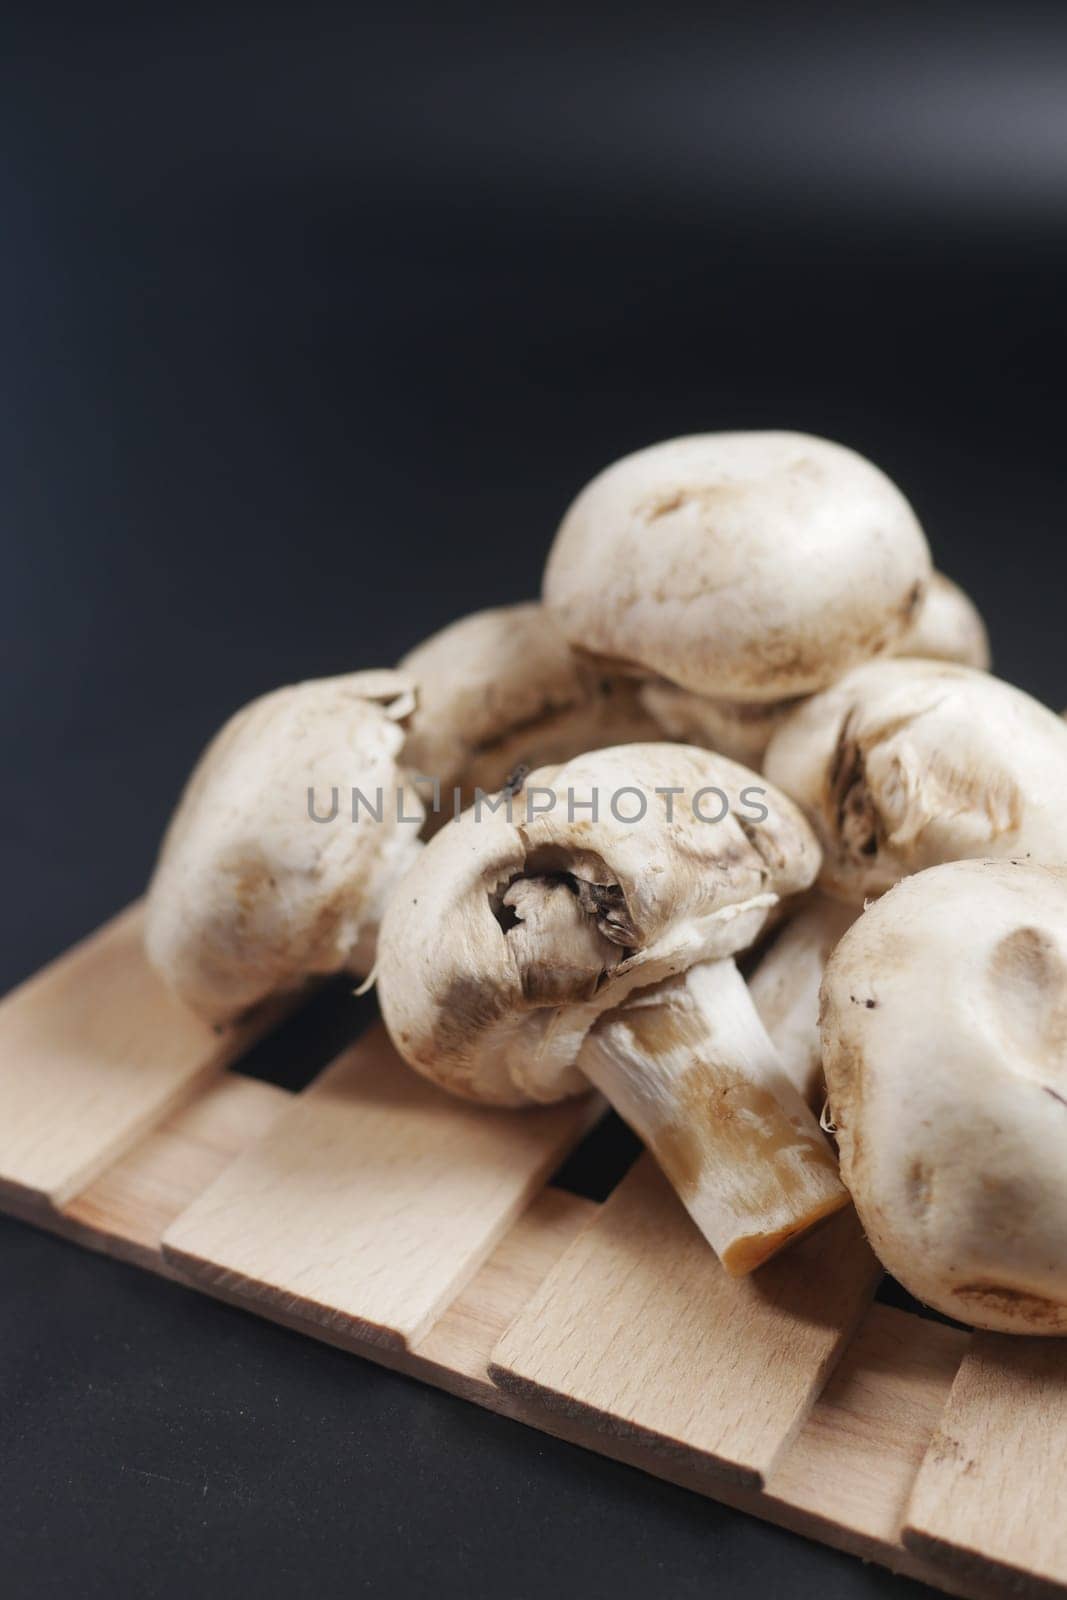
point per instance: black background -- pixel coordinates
(311, 325)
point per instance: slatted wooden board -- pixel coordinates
(377, 1214)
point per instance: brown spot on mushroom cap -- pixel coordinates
(920, 1183)
(912, 601)
(1003, 1300)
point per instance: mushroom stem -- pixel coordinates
(785, 990)
(688, 1064)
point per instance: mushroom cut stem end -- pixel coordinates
(688, 1064)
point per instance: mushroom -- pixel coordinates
(583, 931)
(746, 568)
(947, 627)
(785, 982)
(501, 689)
(272, 871)
(905, 764)
(944, 1033)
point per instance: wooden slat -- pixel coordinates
(854, 1462)
(638, 1330)
(93, 1051)
(126, 1210)
(455, 1351)
(116, 1129)
(372, 1200)
(843, 1480)
(991, 1496)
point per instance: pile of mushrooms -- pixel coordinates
(537, 836)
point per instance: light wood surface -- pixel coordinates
(455, 1351)
(373, 1199)
(93, 1051)
(126, 1210)
(968, 1457)
(640, 1330)
(854, 1461)
(991, 1496)
(843, 1480)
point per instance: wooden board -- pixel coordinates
(417, 1233)
(844, 1479)
(93, 1050)
(640, 1330)
(127, 1209)
(991, 1496)
(854, 1462)
(373, 1199)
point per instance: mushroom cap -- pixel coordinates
(502, 688)
(948, 627)
(944, 1028)
(744, 566)
(251, 896)
(904, 764)
(507, 938)
(739, 729)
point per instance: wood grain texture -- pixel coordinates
(854, 1462)
(843, 1480)
(456, 1350)
(372, 1200)
(991, 1495)
(639, 1331)
(626, 1338)
(126, 1210)
(93, 1051)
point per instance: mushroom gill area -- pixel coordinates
(887, 785)
(566, 931)
(853, 813)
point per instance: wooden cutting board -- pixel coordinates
(375, 1213)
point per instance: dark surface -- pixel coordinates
(310, 328)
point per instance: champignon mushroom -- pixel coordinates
(583, 931)
(271, 871)
(750, 567)
(785, 982)
(905, 764)
(945, 1041)
(947, 627)
(501, 689)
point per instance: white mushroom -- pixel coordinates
(738, 730)
(589, 937)
(271, 872)
(501, 689)
(947, 627)
(749, 567)
(945, 1041)
(905, 764)
(785, 983)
